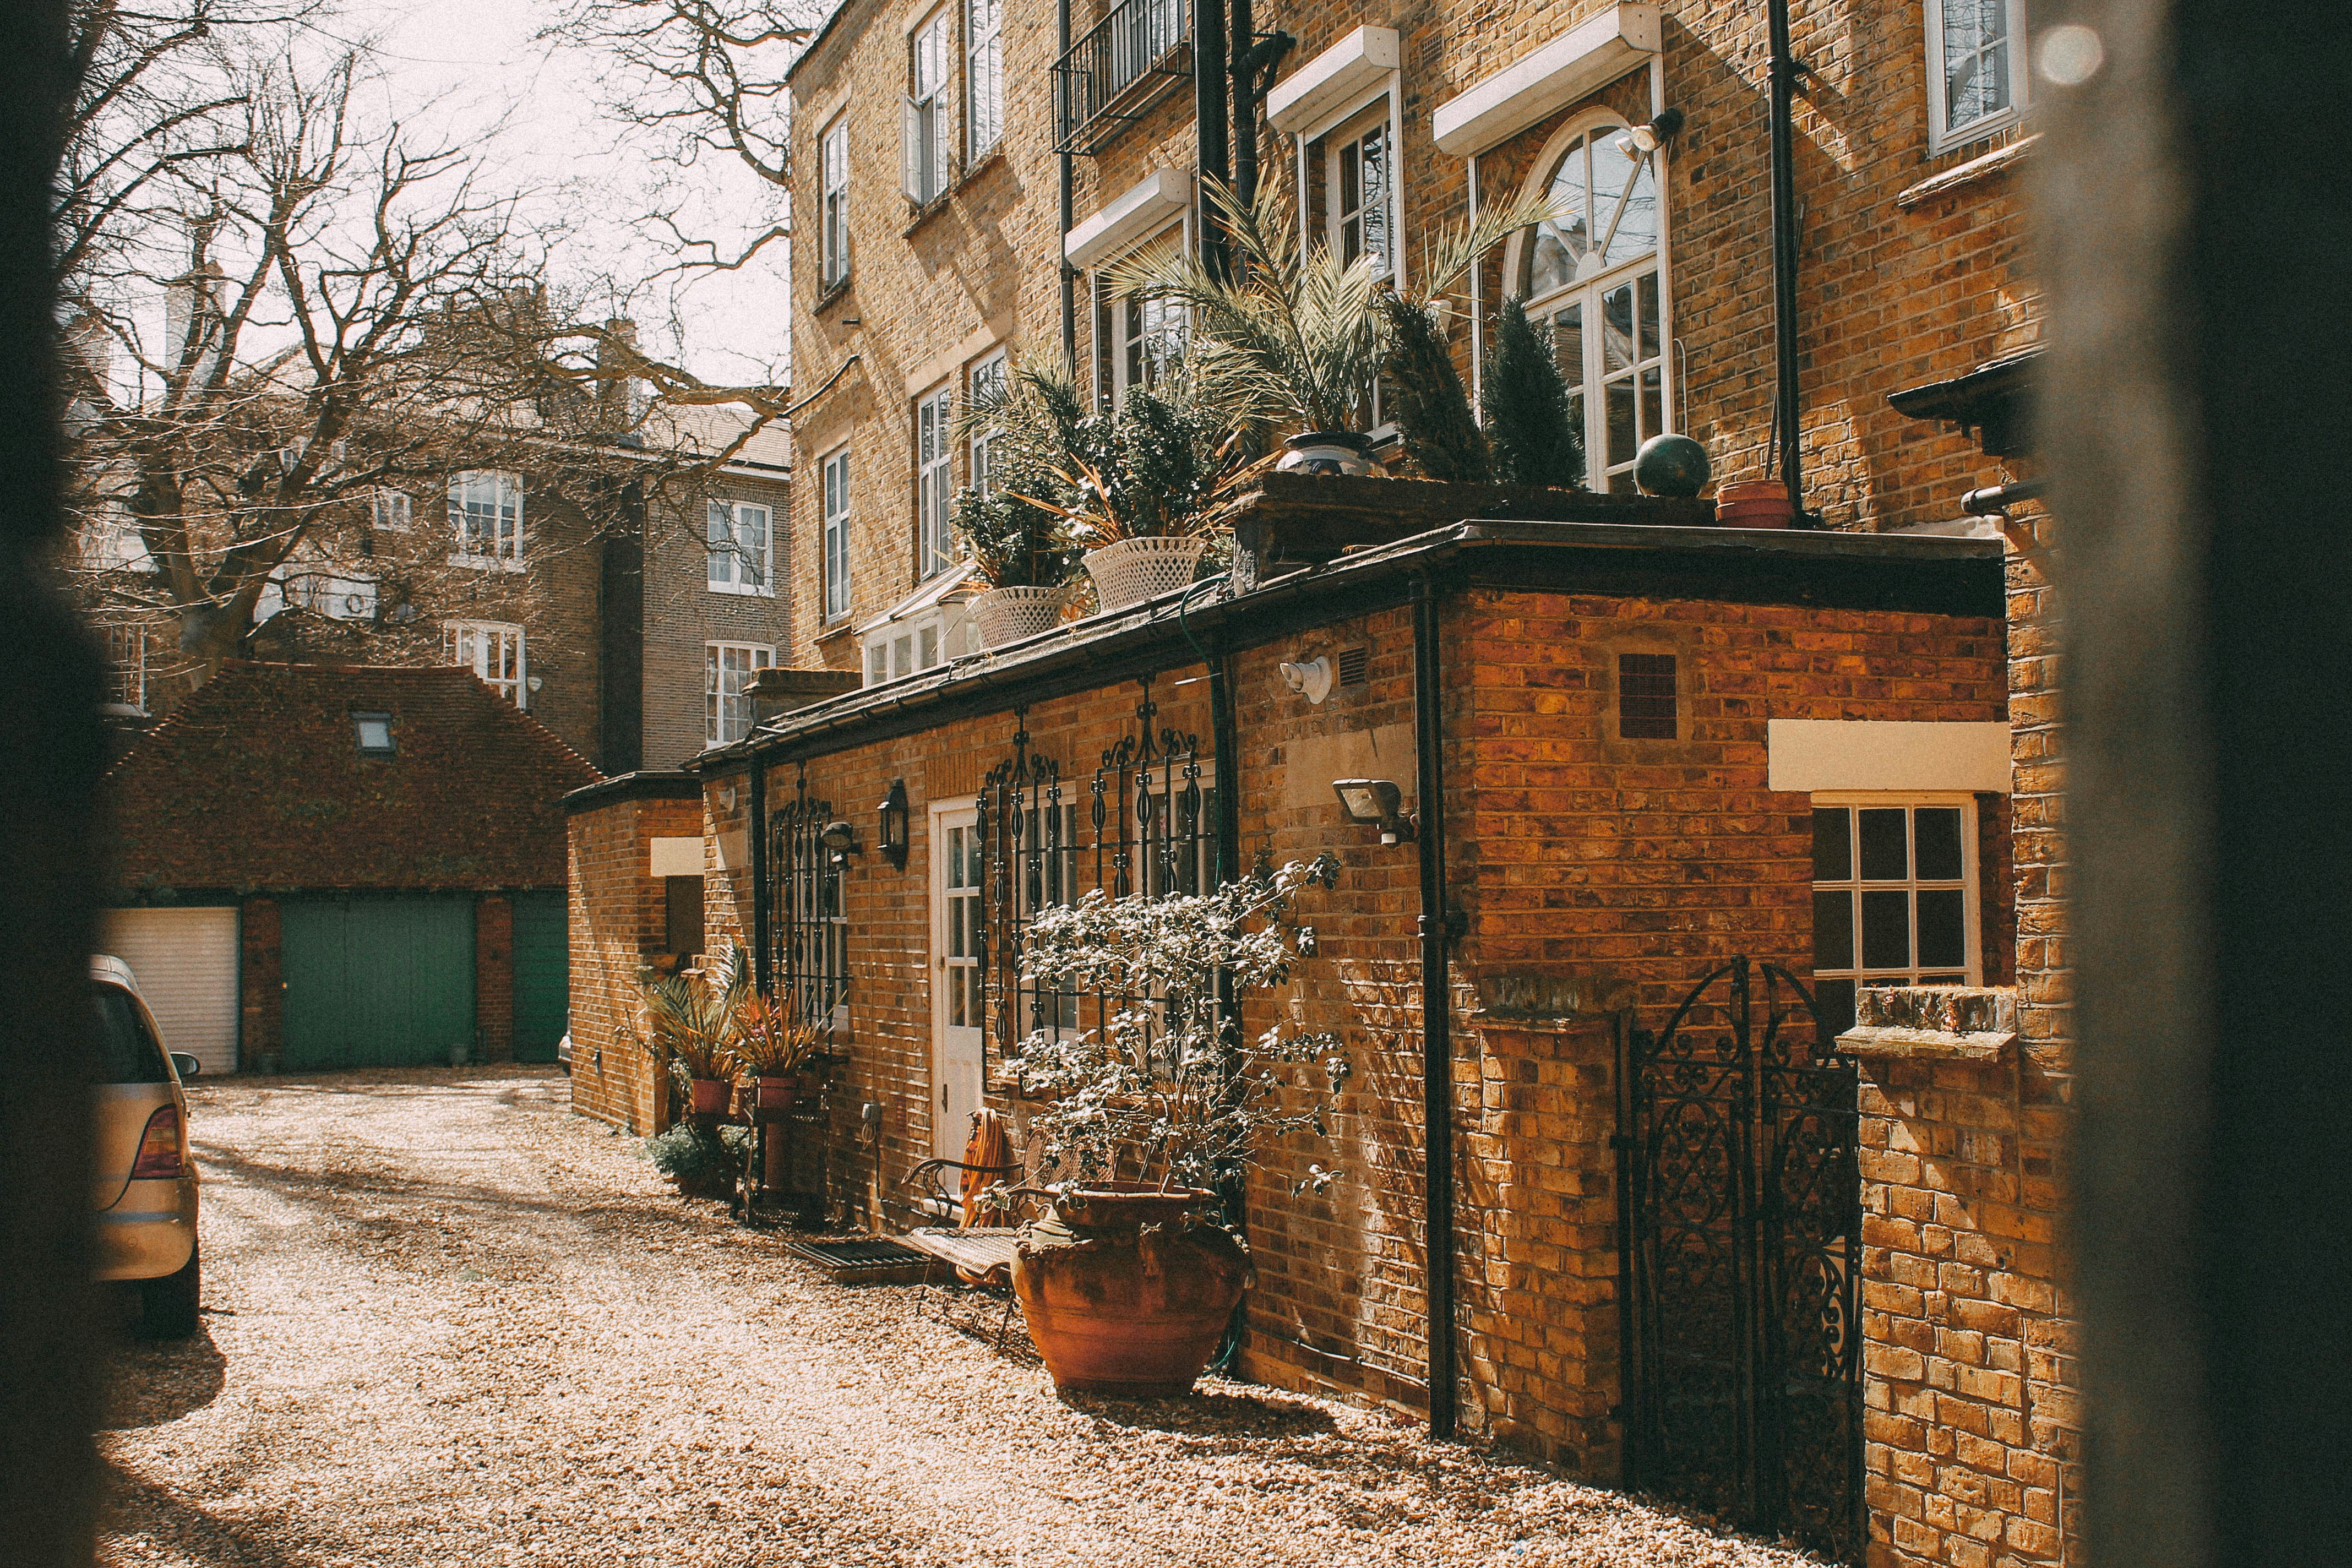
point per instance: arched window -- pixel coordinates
(1591, 277)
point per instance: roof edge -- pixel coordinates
(647, 784)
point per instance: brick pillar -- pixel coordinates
(261, 985)
(1967, 1341)
(494, 976)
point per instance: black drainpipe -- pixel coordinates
(1436, 1008)
(1209, 115)
(762, 969)
(1069, 178)
(1245, 78)
(1784, 254)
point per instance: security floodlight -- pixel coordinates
(842, 839)
(1375, 803)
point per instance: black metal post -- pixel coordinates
(1209, 66)
(1436, 1008)
(1784, 254)
(763, 916)
(1245, 74)
(1069, 181)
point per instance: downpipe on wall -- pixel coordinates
(1436, 1008)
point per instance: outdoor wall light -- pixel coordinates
(1311, 679)
(1376, 802)
(1645, 139)
(891, 831)
(842, 839)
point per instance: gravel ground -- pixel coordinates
(449, 1323)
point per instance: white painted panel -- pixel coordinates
(1580, 62)
(1357, 64)
(1811, 755)
(1137, 213)
(185, 963)
(677, 858)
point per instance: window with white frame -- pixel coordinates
(1976, 68)
(727, 671)
(934, 482)
(1140, 335)
(1894, 896)
(737, 538)
(987, 380)
(1591, 276)
(126, 668)
(493, 650)
(388, 510)
(486, 520)
(1359, 186)
(832, 161)
(984, 75)
(910, 646)
(834, 482)
(924, 146)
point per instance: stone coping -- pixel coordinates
(1933, 1023)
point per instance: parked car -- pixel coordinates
(146, 1178)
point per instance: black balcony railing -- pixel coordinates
(1124, 65)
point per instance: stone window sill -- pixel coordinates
(832, 293)
(1999, 160)
(928, 211)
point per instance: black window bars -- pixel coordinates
(809, 953)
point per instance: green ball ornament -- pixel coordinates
(1671, 465)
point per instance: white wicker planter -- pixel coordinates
(1006, 616)
(1133, 570)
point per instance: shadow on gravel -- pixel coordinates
(137, 1507)
(340, 1191)
(1206, 1414)
(150, 1382)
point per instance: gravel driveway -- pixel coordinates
(449, 1323)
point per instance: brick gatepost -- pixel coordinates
(493, 977)
(261, 983)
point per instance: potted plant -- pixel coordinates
(1020, 548)
(690, 1028)
(1128, 1285)
(699, 1161)
(770, 1048)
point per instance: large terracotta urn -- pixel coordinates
(1128, 1289)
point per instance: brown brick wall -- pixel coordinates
(494, 978)
(261, 985)
(618, 924)
(681, 615)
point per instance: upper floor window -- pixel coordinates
(1359, 186)
(388, 509)
(126, 668)
(934, 482)
(833, 160)
(924, 149)
(987, 380)
(984, 55)
(727, 671)
(736, 534)
(485, 518)
(493, 650)
(1140, 335)
(1591, 276)
(1976, 68)
(910, 646)
(834, 482)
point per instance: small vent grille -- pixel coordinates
(1355, 666)
(1645, 696)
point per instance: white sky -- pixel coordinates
(535, 111)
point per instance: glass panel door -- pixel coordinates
(957, 1000)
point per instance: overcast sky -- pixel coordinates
(471, 69)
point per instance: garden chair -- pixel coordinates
(981, 1255)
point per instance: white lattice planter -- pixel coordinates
(1007, 616)
(1133, 570)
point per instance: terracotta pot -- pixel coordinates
(708, 1096)
(1326, 452)
(1753, 503)
(1132, 570)
(1007, 616)
(774, 1093)
(1126, 1290)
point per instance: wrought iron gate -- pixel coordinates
(1740, 1218)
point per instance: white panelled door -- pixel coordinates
(956, 991)
(186, 962)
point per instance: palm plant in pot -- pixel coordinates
(770, 1048)
(1019, 547)
(690, 1032)
(1128, 1285)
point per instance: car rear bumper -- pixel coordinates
(150, 1231)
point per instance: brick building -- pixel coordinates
(344, 866)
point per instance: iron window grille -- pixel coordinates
(809, 947)
(1142, 824)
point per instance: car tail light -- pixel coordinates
(160, 1150)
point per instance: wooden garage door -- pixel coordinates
(186, 962)
(377, 982)
(543, 969)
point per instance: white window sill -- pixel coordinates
(1968, 135)
(484, 562)
(744, 590)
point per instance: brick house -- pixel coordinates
(345, 867)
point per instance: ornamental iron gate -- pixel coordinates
(1740, 1218)
(808, 950)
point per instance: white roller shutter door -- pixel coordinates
(186, 962)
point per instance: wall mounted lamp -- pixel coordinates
(890, 832)
(1646, 138)
(1311, 679)
(842, 839)
(1375, 803)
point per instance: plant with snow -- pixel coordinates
(1167, 1094)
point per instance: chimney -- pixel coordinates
(612, 401)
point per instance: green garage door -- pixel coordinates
(542, 975)
(377, 982)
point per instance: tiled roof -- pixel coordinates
(257, 782)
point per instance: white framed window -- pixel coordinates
(835, 483)
(923, 151)
(388, 510)
(987, 379)
(1976, 69)
(1591, 277)
(727, 671)
(984, 75)
(486, 520)
(1359, 186)
(126, 668)
(493, 650)
(911, 646)
(934, 482)
(833, 162)
(739, 539)
(1141, 337)
(1895, 896)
